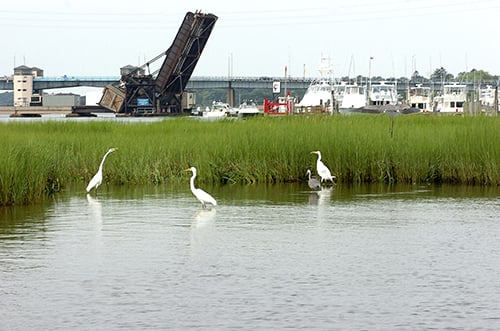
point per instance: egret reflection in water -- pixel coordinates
(203, 231)
(204, 217)
(95, 208)
(321, 197)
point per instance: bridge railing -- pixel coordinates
(251, 78)
(202, 82)
(77, 78)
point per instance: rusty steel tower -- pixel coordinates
(162, 92)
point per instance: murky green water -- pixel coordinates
(268, 257)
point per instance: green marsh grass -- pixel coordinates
(40, 158)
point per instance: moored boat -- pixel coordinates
(248, 108)
(217, 110)
(382, 98)
(419, 97)
(351, 97)
(487, 96)
(319, 94)
(382, 93)
(452, 98)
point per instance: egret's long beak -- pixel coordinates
(188, 169)
(313, 152)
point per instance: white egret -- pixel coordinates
(201, 195)
(322, 169)
(312, 181)
(97, 179)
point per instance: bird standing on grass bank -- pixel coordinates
(97, 179)
(201, 195)
(312, 181)
(322, 169)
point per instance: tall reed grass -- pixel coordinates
(40, 158)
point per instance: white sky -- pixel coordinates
(96, 38)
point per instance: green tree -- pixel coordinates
(475, 75)
(441, 75)
(417, 78)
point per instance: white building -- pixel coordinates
(23, 84)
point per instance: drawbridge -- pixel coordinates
(163, 91)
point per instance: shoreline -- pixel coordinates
(33, 111)
(62, 111)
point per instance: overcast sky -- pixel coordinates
(255, 38)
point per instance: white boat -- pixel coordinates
(419, 97)
(217, 110)
(382, 94)
(350, 97)
(319, 94)
(452, 99)
(487, 96)
(248, 108)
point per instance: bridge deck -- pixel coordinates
(197, 82)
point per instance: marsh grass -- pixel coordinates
(38, 159)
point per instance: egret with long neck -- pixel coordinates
(97, 179)
(201, 195)
(322, 169)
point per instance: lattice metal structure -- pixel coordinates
(162, 92)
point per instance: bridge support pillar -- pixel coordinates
(230, 96)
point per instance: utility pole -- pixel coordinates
(369, 80)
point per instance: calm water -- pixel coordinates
(268, 258)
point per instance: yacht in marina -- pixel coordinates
(319, 94)
(382, 93)
(420, 97)
(350, 97)
(451, 99)
(487, 96)
(382, 97)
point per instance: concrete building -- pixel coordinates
(23, 85)
(63, 100)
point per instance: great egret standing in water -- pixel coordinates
(312, 181)
(322, 169)
(201, 195)
(97, 179)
